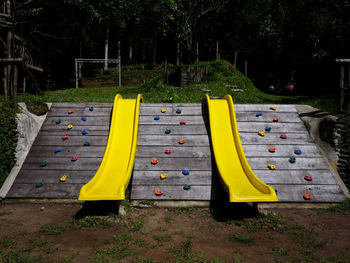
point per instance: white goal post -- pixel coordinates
(79, 61)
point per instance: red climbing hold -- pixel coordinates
(275, 119)
(168, 151)
(158, 192)
(154, 161)
(182, 122)
(74, 158)
(272, 149)
(65, 137)
(182, 141)
(308, 178)
(307, 196)
(70, 111)
(283, 136)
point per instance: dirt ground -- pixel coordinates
(56, 232)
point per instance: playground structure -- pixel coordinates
(174, 160)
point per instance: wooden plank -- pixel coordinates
(275, 127)
(284, 117)
(152, 129)
(171, 120)
(79, 111)
(73, 141)
(252, 150)
(81, 105)
(265, 108)
(60, 191)
(174, 178)
(177, 151)
(68, 151)
(33, 163)
(76, 120)
(61, 128)
(192, 164)
(53, 176)
(174, 105)
(283, 163)
(274, 139)
(176, 192)
(74, 132)
(156, 110)
(158, 140)
(294, 177)
(319, 193)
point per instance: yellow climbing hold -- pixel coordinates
(70, 126)
(163, 176)
(273, 108)
(163, 110)
(63, 178)
(261, 133)
(271, 166)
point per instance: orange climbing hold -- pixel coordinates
(158, 192)
(272, 149)
(182, 141)
(307, 196)
(70, 111)
(275, 119)
(154, 161)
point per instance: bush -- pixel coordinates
(8, 140)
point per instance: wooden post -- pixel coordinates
(348, 104)
(166, 69)
(5, 84)
(15, 85)
(246, 68)
(119, 66)
(235, 60)
(24, 84)
(197, 52)
(341, 89)
(217, 50)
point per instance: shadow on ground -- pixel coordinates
(98, 208)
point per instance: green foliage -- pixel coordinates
(245, 239)
(6, 242)
(342, 208)
(269, 221)
(14, 256)
(184, 210)
(5, 213)
(8, 140)
(162, 238)
(278, 251)
(90, 222)
(52, 229)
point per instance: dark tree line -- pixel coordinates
(286, 40)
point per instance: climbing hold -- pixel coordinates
(261, 133)
(65, 137)
(57, 150)
(158, 192)
(154, 161)
(297, 151)
(187, 187)
(70, 126)
(84, 132)
(178, 111)
(258, 114)
(168, 151)
(83, 118)
(182, 122)
(283, 136)
(267, 128)
(271, 166)
(43, 163)
(292, 159)
(70, 111)
(156, 118)
(275, 119)
(182, 141)
(91, 108)
(273, 108)
(272, 149)
(167, 131)
(74, 158)
(308, 178)
(58, 121)
(86, 143)
(307, 196)
(185, 172)
(39, 184)
(163, 110)
(63, 178)
(163, 176)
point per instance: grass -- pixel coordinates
(90, 222)
(162, 238)
(184, 210)
(245, 239)
(269, 221)
(278, 251)
(4, 213)
(343, 208)
(52, 229)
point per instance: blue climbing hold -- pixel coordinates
(185, 172)
(84, 132)
(86, 143)
(43, 163)
(91, 108)
(178, 111)
(39, 184)
(58, 121)
(83, 119)
(187, 187)
(297, 151)
(267, 128)
(156, 118)
(292, 159)
(167, 131)
(57, 150)
(258, 114)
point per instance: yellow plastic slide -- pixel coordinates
(113, 175)
(235, 173)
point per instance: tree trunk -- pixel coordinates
(106, 47)
(217, 50)
(177, 53)
(197, 52)
(235, 60)
(9, 48)
(130, 52)
(154, 56)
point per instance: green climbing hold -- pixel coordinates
(292, 159)
(91, 108)
(167, 131)
(187, 187)
(178, 111)
(43, 163)
(39, 184)
(267, 129)
(86, 143)
(58, 121)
